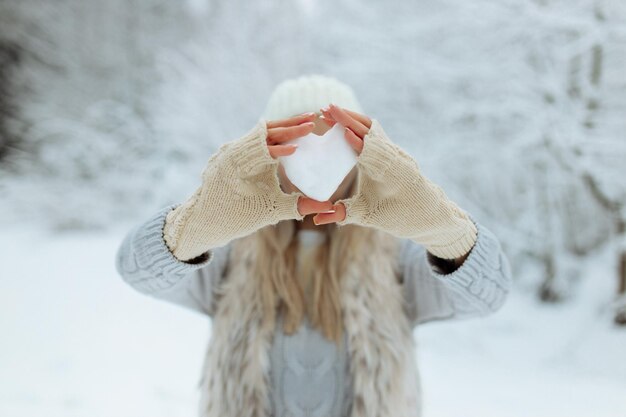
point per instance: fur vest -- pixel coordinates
(235, 377)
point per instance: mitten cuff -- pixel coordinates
(249, 154)
(460, 243)
(378, 153)
(175, 222)
(287, 206)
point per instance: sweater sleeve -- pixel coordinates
(476, 288)
(240, 193)
(394, 195)
(144, 261)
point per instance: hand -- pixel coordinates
(240, 191)
(392, 194)
(280, 131)
(356, 128)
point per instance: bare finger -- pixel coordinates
(357, 116)
(360, 117)
(291, 121)
(283, 134)
(326, 113)
(337, 216)
(282, 150)
(329, 122)
(348, 121)
(307, 205)
(354, 141)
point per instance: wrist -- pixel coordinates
(378, 153)
(449, 247)
(249, 154)
(445, 266)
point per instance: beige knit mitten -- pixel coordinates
(392, 195)
(240, 193)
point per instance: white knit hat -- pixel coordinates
(309, 93)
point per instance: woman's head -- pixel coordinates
(309, 93)
(344, 189)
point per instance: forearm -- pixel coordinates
(394, 196)
(239, 194)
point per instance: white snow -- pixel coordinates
(320, 163)
(515, 108)
(77, 341)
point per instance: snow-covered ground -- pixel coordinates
(77, 341)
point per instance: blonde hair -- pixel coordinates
(276, 250)
(276, 246)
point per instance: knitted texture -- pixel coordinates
(240, 193)
(477, 288)
(392, 195)
(309, 93)
(144, 253)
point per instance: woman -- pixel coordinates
(313, 303)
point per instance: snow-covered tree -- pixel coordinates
(515, 107)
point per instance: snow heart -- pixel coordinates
(320, 163)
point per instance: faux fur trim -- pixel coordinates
(235, 377)
(381, 343)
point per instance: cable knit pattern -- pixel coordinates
(145, 262)
(310, 375)
(240, 193)
(478, 287)
(484, 282)
(392, 195)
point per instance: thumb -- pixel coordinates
(307, 205)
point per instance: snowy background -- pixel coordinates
(109, 111)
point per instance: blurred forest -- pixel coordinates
(517, 108)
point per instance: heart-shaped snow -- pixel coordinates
(320, 163)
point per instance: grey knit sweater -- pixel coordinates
(309, 376)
